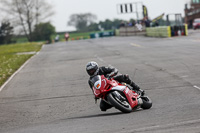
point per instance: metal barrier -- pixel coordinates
(102, 34)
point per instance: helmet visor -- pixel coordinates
(91, 72)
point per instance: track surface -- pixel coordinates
(51, 95)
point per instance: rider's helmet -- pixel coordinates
(92, 68)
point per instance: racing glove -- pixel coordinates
(109, 76)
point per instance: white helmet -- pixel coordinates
(92, 68)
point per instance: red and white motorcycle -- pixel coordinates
(119, 95)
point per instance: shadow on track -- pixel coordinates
(93, 116)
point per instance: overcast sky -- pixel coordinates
(107, 9)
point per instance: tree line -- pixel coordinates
(86, 22)
(27, 17)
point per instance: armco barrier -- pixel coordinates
(162, 31)
(102, 34)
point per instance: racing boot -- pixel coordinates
(135, 87)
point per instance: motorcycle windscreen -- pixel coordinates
(96, 81)
(95, 78)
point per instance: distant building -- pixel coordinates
(192, 11)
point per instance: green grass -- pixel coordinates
(77, 36)
(10, 61)
(73, 36)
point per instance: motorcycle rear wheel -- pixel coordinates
(123, 106)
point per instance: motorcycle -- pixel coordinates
(118, 95)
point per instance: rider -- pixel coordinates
(93, 69)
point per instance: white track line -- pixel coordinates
(196, 87)
(100, 59)
(12, 76)
(135, 45)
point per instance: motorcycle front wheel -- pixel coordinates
(119, 103)
(147, 103)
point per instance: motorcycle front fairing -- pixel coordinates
(99, 86)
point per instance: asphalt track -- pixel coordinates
(51, 95)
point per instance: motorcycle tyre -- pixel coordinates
(147, 103)
(118, 105)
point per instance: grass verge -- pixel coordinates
(10, 61)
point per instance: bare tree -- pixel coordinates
(81, 21)
(27, 13)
